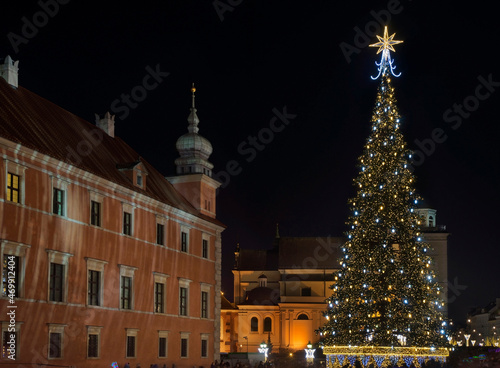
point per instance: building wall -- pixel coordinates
(31, 230)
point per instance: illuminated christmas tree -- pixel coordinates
(385, 293)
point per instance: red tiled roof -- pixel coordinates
(36, 123)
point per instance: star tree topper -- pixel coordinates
(385, 46)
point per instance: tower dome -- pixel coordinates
(194, 150)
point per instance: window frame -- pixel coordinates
(254, 327)
(11, 189)
(184, 337)
(9, 248)
(127, 272)
(96, 265)
(61, 258)
(56, 328)
(204, 338)
(160, 234)
(160, 278)
(184, 285)
(127, 223)
(131, 332)
(184, 240)
(95, 213)
(6, 328)
(163, 335)
(264, 330)
(94, 330)
(18, 170)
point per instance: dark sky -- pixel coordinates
(253, 58)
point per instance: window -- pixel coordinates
(12, 256)
(184, 241)
(268, 324)
(95, 275)
(58, 275)
(139, 180)
(56, 343)
(306, 291)
(184, 296)
(126, 292)
(13, 188)
(127, 223)
(162, 344)
(11, 275)
(184, 344)
(254, 324)
(183, 301)
(131, 342)
(159, 297)
(93, 341)
(95, 213)
(10, 337)
(204, 345)
(94, 288)
(204, 304)
(204, 248)
(160, 234)
(58, 202)
(56, 282)
(127, 287)
(303, 317)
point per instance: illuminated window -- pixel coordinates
(13, 188)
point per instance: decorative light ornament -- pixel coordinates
(385, 46)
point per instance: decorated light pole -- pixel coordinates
(263, 349)
(309, 352)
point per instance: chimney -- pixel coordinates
(9, 71)
(107, 123)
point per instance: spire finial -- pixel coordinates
(193, 90)
(385, 46)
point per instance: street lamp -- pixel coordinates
(246, 338)
(263, 350)
(310, 352)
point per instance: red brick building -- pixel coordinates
(111, 261)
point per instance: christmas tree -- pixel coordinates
(385, 293)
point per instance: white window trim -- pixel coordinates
(184, 335)
(204, 287)
(19, 250)
(57, 183)
(160, 278)
(204, 337)
(206, 237)
(55, 256)
(162, 220)
(127, 271)
(96, 265)
(96, 197)
(184, 229)
(127, 207)
(94, 330)
(19, 170)
(131, 332)
(163, 334)
(183, 283)
(5, 328)
(56, 328)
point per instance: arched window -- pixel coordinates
(254, 324)
(431, 221)
(303, 316)
(268, 323)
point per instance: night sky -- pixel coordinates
(254, 60)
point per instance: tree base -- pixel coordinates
(382, 356)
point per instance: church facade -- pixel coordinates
(280, 293)
(104, 260)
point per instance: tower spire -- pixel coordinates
(193, 118)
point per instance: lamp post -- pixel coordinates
(246, 338)
(310, 352)
(263, 350)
